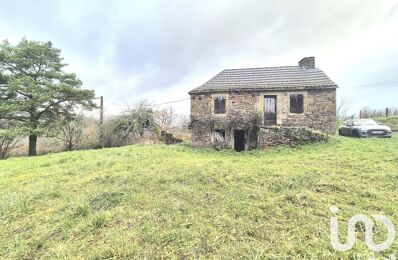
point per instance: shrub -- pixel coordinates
(70, 132)
(273, 136)
(132, 123)
(8, 139)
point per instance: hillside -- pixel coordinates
(392, 122)
(180, 202)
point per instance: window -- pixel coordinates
(219, 135)
(219, 105)
(270, 110)
(297, 103)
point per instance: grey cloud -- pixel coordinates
(180, 36)
(163, 42)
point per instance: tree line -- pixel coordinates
(367, 112)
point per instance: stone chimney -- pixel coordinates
(307, 63)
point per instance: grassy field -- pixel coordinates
(392, 122)
(179, 202)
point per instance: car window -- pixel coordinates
(364, 122)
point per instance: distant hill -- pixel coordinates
(392, 122)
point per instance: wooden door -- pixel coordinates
(239, 140)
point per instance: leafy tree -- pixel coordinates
(36, 91)
(3, 98)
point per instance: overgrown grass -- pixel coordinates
(179, 202)
(392, 122)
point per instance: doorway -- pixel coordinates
(269, 110)
(239, 140)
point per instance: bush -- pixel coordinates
(8, 140)
(70, 132)
(275, 135)
(133, 122)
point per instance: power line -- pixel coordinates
(175, 101)
(116, 104)
(372, 84)
(111, 102)
(169, 102)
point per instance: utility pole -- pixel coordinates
(101, 134)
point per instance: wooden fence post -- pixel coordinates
(101, 137)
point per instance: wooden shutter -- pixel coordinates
(296, 103)
(216, 107)
(300, 103)
(222, 105)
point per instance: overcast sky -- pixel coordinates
(159, 50)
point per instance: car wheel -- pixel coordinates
(355, 133)
(340, 132)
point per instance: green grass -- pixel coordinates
(158, 201)
(392, 122)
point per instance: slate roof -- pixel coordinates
(268, 78)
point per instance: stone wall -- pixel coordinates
(241, 114)
(200, 124)
(276, 135)
(322, 110)
(244, 111)
(319, 110)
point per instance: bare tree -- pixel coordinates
(366, 112)
(10, 133)
(165, 118)
(393, 111)
(343, 106)
(8, 140)
(70, 132)
(183, 121)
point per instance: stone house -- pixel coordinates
(238, 108)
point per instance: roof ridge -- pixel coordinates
(271, 67)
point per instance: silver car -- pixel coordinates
(364, 128)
